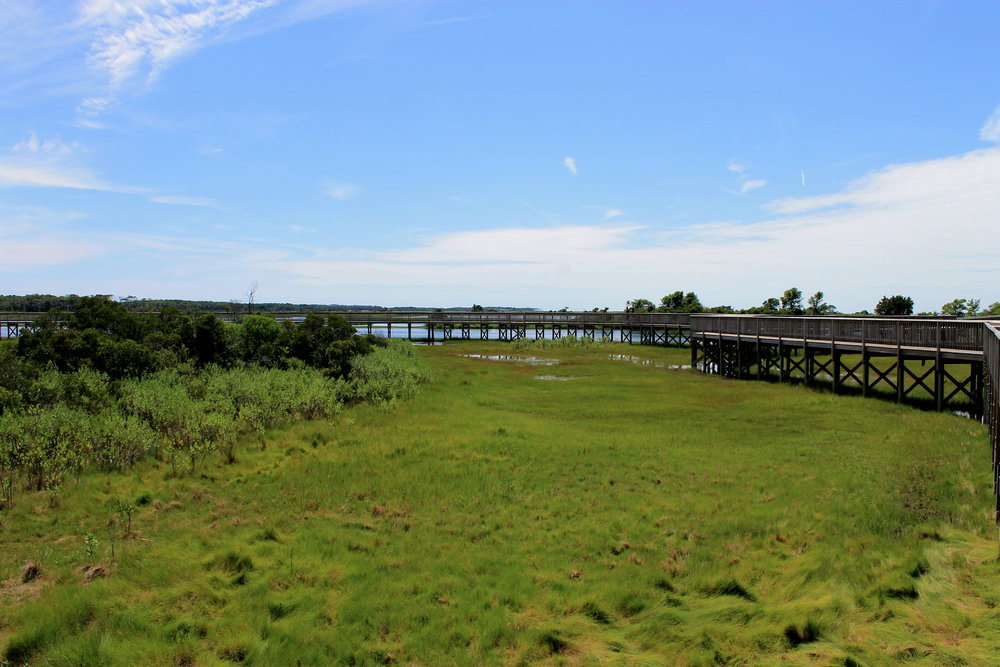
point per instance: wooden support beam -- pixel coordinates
(836, 367)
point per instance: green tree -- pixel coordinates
(768, 307)
(641, 305)
(679, 302)
(895, 305)
(258, 338)
(791, 301)
(961, 308)
(211, 342)
(992, 309)
(818, 307)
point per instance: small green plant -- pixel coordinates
(124, 508)
(90, 544)
(111, 536)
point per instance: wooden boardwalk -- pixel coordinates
(931, 358)
(642, 328)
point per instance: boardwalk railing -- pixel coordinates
(511, 325)
(991, 369)
(931, 333)
(518, 318)
(869, 353)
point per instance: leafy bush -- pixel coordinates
(387, 373)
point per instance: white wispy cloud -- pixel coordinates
(51, 163)
(613, 213)
(47, 163)
(991, 128)
(137, 40)
(512, 245)
(339, 190)
(570, 164)
(183, 201)
(103, 50)
(746, 183)
(959, 181)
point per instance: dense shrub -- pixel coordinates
(387, 373)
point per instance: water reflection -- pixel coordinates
(648, 362)
(531, 361)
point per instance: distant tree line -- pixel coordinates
(791, 303)
(40, 303)
(105, 335)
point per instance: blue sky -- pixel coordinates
(542, 154)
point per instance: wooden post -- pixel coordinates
(721, 358)
(864, 361)
(900, 374)
(757, 344)
(739, 353)
(938, 373)
(976, 369)
(836, 359)
(807, 360)
(836, 366)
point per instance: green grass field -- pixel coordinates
(612, 512)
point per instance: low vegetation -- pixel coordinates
(102, 388)
(604, 509)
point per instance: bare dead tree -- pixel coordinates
(251, 293)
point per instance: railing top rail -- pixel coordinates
(839, 318)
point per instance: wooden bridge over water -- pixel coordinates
(949, 363)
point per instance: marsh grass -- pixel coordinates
(634, 516)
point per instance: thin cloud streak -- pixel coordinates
(752, 185)
(35, 163)
(570, 164)
(991, 128)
